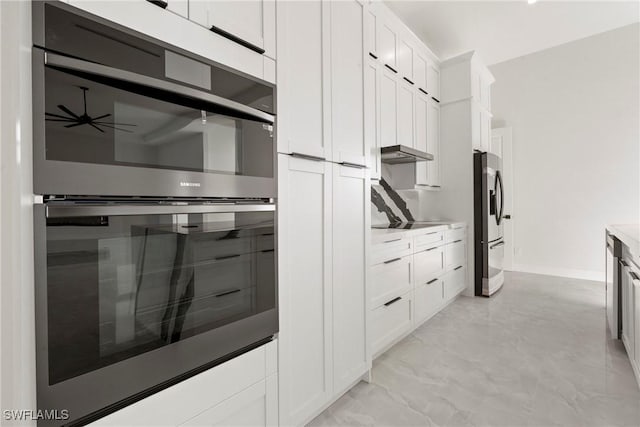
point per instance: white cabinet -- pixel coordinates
(390, 321)
(372, 116)
(302, 84)
(433, 80)
(428, 299)
(429, 264)
(351, 220)
(420, 72)
(346, 81)
(242, 391)
(305, 298)
(180, 7)
(249, 22)
(628, 310)
(388, 109)
(433, 144)
(636, 328)
(253, 406)
(390, 278)
(405, 59)
(405, 115)
(422, 137)
(371, 34)
(387, 44)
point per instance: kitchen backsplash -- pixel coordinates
(389, 205)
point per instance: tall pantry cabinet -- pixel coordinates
(323, 204)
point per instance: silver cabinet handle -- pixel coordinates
(432, 281)
(352, 165)
(308, 157)
(392, 260)
(115, 74)
(457, 268)
(390, 241)
(396, 299)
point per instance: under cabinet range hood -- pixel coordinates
(397, 154)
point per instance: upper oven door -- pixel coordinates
(118, 114)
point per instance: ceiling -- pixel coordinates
(502, 30)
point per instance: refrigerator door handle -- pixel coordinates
(501, 192)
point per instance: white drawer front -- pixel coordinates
(455, 254)
(390, 249)
(429, 239)
(390, 321)
(427, 300)
(390, 279)
(428, 264)
(454, 282)
(455, 234)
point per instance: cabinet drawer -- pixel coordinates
(429, 239)
(390, 321)
(454, 282)
(455, 234)
(455, 254)
(427, 300)
(428, 264)
(390, 279)
(390, 249)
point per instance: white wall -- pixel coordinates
(575, 114)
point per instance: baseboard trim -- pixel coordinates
(597, 276)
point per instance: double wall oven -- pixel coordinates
(155, 239)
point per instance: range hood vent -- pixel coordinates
(397, 154)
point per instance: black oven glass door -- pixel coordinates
(97, 120)
(118, 286)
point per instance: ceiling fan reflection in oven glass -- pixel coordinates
(74, 119)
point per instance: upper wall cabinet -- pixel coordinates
(405, 60)
(180, 7)
(346, 47)
(300, 78)
(251, 23)
(420, 72)
(388, 101)
(433, 81)
(387, 45)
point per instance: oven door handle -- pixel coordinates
(110, 74)
(82, 210)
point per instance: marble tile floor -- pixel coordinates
(535, 354)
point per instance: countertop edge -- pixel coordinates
(629, 235)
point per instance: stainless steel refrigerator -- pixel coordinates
(488, 227)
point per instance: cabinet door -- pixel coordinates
(405, 115)
(242, 19)
(433, 144)
(433, 80)
(347, 115)
(422, 137)
(372, 116)
(301, 89)
(371, 35)
(199, 11)
(387, 45)
(636, 317)
(485, 130)
(388, 109)
(420, 71)
(180, 7)
(254, 406)
(405, 60)
(351, 221)
(305, 342)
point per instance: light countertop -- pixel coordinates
(629, 235)
(379, 235)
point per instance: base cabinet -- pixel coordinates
(323, 228)
(242, 391)
(305, 299)
(414, 276)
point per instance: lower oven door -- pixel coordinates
(132, 298)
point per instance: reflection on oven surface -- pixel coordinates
(128, 285)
